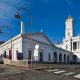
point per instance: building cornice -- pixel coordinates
(63, 49)
(11, 40)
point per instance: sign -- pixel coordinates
(36, 54)
(36, 51)
(35, 57)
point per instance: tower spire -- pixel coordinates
(69, 32)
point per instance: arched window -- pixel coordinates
(60, 57)
(68, 58)
(64, 58)
(66, 46)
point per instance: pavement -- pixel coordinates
(15, 73)
(64, 74)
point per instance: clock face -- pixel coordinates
(36, 46)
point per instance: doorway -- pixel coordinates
(60, 57)
(29, 54)
(41, 56)
(10, 54)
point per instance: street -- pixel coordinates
(11, 73)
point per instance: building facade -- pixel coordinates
(21, 47)
(71, 42)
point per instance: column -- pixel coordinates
(63, 58)
(57, 57)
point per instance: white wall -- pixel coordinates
(16, 45)
(23, 45)
(46, 49)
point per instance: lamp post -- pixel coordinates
(17, 15)
(10, 36)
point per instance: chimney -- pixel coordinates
(22, 28)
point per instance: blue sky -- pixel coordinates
(48, 15)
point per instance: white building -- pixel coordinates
(22, 47)
(71, 42)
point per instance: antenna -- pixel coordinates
(22, 27)
(41, 30)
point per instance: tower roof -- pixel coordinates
(70, 17)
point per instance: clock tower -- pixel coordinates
(69, 34)
(69, 31)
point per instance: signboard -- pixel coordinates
(35, 58)
(36, 51)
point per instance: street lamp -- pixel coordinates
(17, 15)
(10, 35)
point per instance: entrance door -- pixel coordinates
(60, 57)
(29, 54)
(4, 54)
(10, 54)
(41, 57)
